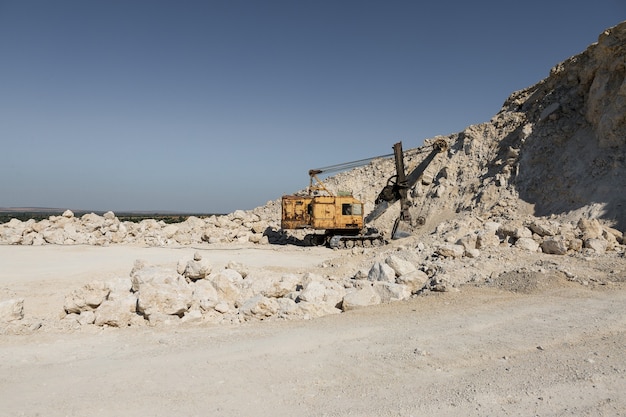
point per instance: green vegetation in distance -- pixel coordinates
(134, 217)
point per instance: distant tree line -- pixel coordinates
(125, 217)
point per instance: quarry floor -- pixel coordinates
(478, 351)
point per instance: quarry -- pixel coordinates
(507, 299)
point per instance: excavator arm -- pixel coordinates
(398, 185)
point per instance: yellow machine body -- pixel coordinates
(343, 214)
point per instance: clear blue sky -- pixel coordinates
(212, 106)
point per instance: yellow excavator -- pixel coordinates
(340, 216)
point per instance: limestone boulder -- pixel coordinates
(388, 291)
(228, 284)
(414, 281)
(259, 307)
(527, 244)
(556, 245)
(321, 291)
(360, 298)
(544, 228)
(270, 285)
(89, 297)
(197, 268)
(486, 240)
(381, 272)
(204, 295)
(119, 312)
(144, 273)
(11, 310)
(590, 228)
(451, 251)
(400, 266)
(170, 297)
(54, 236)
(599, 246)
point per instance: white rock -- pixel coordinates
(205, 295)
(381, 272)
(259, 307)
(591, 228)
(526, 243)
(116, 313)
(197, 269)
(86, 317)
(472, 253)
(89, 297)
(269, 285)
(12, 310)
(400, 266)
(487, 240)
(173, 297)
(555, 245)
(414, 281)
(315, 292)
(227, 283)
(544, 228)
(597, 245)
(364, 297)
(192, 316)
(389, 291)
(451, 251)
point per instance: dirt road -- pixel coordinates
(476, 352)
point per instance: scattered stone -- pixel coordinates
(527, 244)
(364, 297)
(555, 246)
(12, 310)
(451, 251)
(381, 272)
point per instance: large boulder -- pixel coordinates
(414, 281)
(317, 290)
(172, 296)
(381, 272)
(120, 312)
(555, 245)
(269, 284)
(360, 298)
(228, 284)
(11, 310)
(205, 295)
(389, 291)
(590, 228)
(448, 250)
(400, 266)
(89, 297)
(197, 268)
(259, 307)
(527, 244)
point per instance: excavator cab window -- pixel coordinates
(351, 209)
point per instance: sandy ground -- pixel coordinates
(475, 352)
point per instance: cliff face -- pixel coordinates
(557, 148)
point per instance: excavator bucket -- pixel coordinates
(401, 229)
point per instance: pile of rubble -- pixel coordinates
(459, 252)
(193, 292)
(93, 229)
